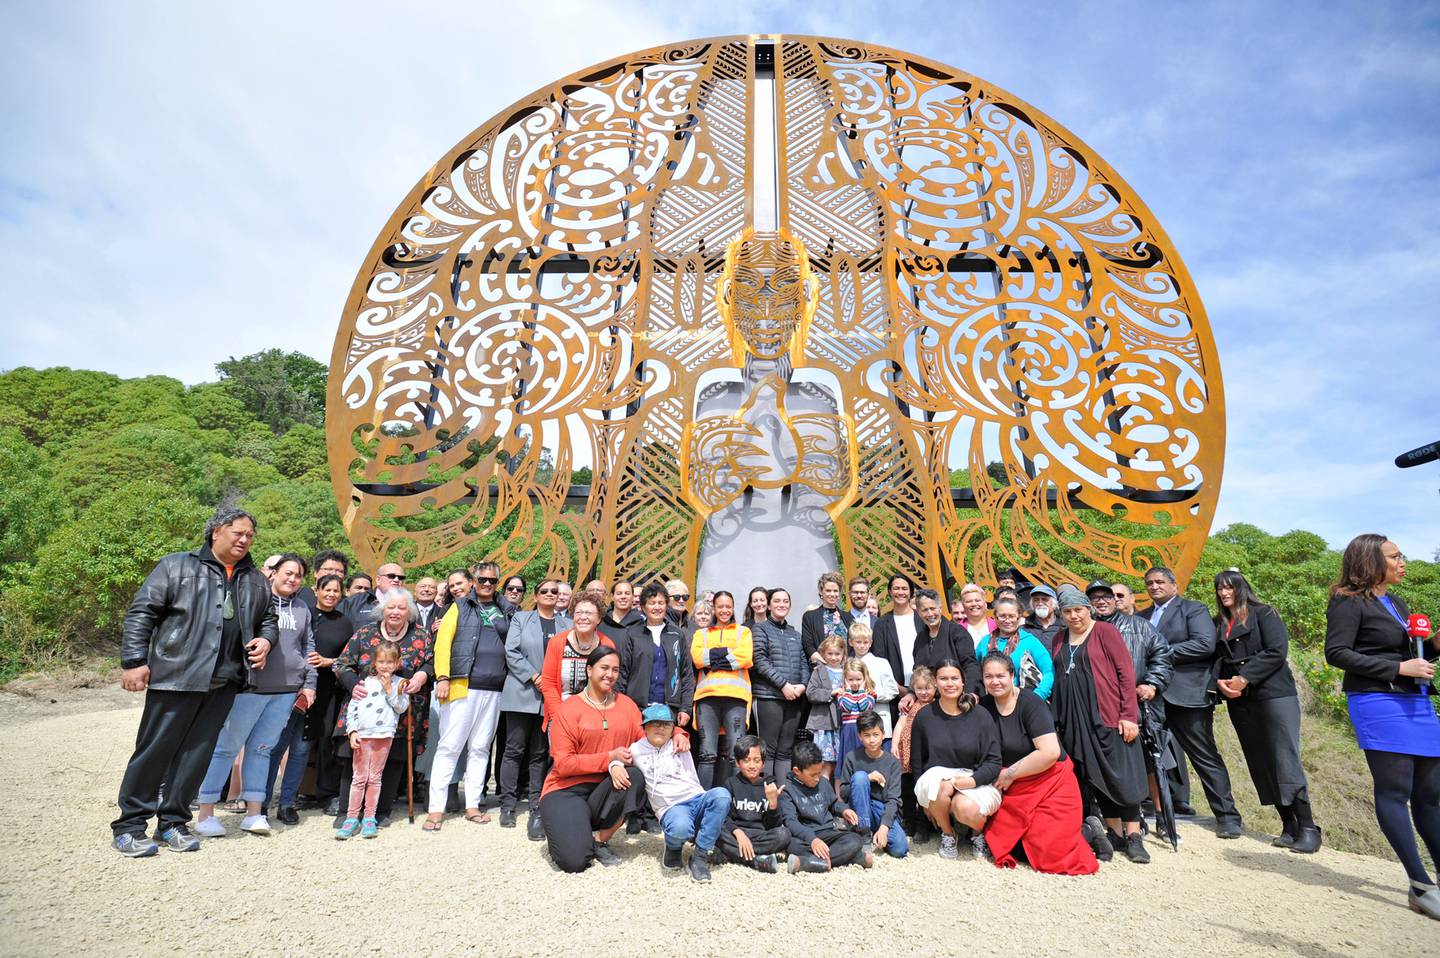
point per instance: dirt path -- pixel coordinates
(485, 890)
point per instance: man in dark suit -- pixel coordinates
(1189, 698)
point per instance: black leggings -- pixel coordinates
(778, 721)
(713, 714)
(524, 742)
(1408, 783)
(572, 815)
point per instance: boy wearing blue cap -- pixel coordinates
(685, 809)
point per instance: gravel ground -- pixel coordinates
(474, 888)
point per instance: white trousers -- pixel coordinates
(467, 724)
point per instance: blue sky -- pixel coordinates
(182, 182)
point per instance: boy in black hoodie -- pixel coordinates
(810, 805)
(754, 829)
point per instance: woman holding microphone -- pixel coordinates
(1387, 687)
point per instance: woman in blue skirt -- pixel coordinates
(1388, 684)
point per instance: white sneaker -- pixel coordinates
(256, 825)
(949, 847)
(209, 828)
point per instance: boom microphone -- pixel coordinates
(1418, 457)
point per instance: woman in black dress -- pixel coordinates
(1260, 696)
(1096, 714)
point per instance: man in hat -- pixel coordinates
(1042, 622)
(1148, 649)
(686, 810)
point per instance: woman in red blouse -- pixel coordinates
(592, 784)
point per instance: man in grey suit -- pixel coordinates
(1189, 698)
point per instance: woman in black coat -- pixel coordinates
(1252, 648)
(1388, 681)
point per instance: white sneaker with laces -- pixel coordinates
(949, 847)
(209, 828)
(256, 825)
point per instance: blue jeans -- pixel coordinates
(700, 818)
(292, 739)
(254, 725)
(871, 811)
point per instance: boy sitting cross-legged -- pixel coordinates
(685, 809)
(810, 805)
(755, 829)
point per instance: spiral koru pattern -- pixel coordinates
(990, 296)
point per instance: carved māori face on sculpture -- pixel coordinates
(766, 293)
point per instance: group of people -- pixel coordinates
(1034, 724)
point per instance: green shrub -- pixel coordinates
(84, 578)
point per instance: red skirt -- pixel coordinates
(1045, 812)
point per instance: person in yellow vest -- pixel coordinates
(723, 654)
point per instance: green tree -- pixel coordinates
(300, 451)
(31, 508)
(54, 406)
(279, 389)
(214, 406)
(86, 574)
(295, 517)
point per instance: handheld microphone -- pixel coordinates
(1419, 630)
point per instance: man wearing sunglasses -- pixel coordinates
(361, 608)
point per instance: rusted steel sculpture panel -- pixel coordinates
(794, 267)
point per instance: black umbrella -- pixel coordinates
(1152, 739)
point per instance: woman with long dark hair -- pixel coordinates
(1042, 811)
(1260, 696)
(592, 784)
(956, 757)
(757, 604)
(1387, 685)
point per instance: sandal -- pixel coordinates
(235, 806)
(479, 818)
(431, 825)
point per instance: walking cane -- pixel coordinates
(410, 763)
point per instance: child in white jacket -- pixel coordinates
(371, 723)
(887, 689)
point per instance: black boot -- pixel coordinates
(1289, 829)
(1307, 834)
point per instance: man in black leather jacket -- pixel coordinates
(189, 633)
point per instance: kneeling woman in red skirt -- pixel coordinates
(1042, 811)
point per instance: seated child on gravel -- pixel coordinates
(870, 782)
(685, 809)
(810, 806)
(755, 829)
(371, 723)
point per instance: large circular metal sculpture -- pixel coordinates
(760, 280)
